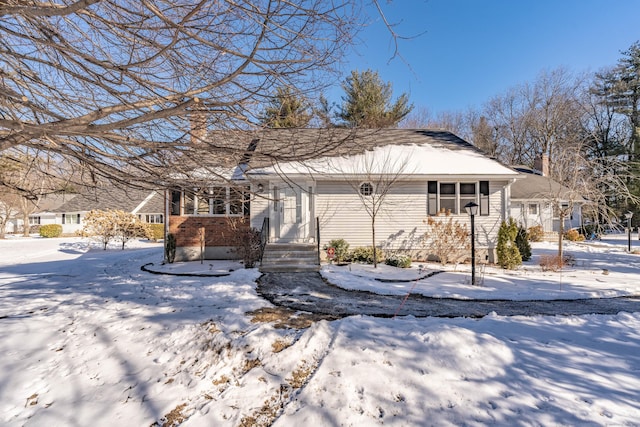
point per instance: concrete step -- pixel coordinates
(278, 255)
(288, 268)
(289, 257)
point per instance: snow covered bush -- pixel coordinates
(50, 230)
(399, 260)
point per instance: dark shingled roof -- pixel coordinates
(51, 202)
(103, 198)
(303, 144)
(263, 147)
(537, 187)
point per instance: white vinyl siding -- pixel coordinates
(400, 222)
(259, 207)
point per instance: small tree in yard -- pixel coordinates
(105, 226)
(100, 226)
(447, 239)
(128, 227)
(508, 254)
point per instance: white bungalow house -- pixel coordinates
(41, 212)
(148, 205)
(536, 200)
(323, 194)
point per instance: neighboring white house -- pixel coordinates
(44, 207)
(434, 172)
(534, 201)
(148, 205)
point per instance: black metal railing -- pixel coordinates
(318, 237)
(264, 236)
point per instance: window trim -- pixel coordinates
(191, 201)
(435, 196)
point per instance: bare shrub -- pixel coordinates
(247, 242)
(556, 262)
(446, 239)
(536, 233)
(574, 235)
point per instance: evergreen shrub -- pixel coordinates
(364, 254)
(522, 242)
(51, 230)
(508, 254)
(341, 247)
(399, 260)
(157, 231)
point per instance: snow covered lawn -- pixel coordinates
(89, 339)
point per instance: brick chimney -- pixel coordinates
(541, 163)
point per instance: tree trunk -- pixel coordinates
(560, 235)
(25, 224)
(373, 236)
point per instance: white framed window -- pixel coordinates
(151, 218)
(70, 218)
(533, 209)
(215, 201)
(34, 220)
(448, 197)
(451, 197)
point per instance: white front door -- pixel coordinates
(292, 216)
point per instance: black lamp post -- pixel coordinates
(472, 210)
(628, 215)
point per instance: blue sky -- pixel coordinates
(471, 50)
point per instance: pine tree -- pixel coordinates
(286, 110)
(367, 102)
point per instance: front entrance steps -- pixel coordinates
(289, 257)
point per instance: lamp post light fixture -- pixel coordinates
(628, 216)
(472, 210)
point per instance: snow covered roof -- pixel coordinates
(417, 152)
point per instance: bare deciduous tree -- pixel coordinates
(9, 209)
(373, 175)
(110, 85)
